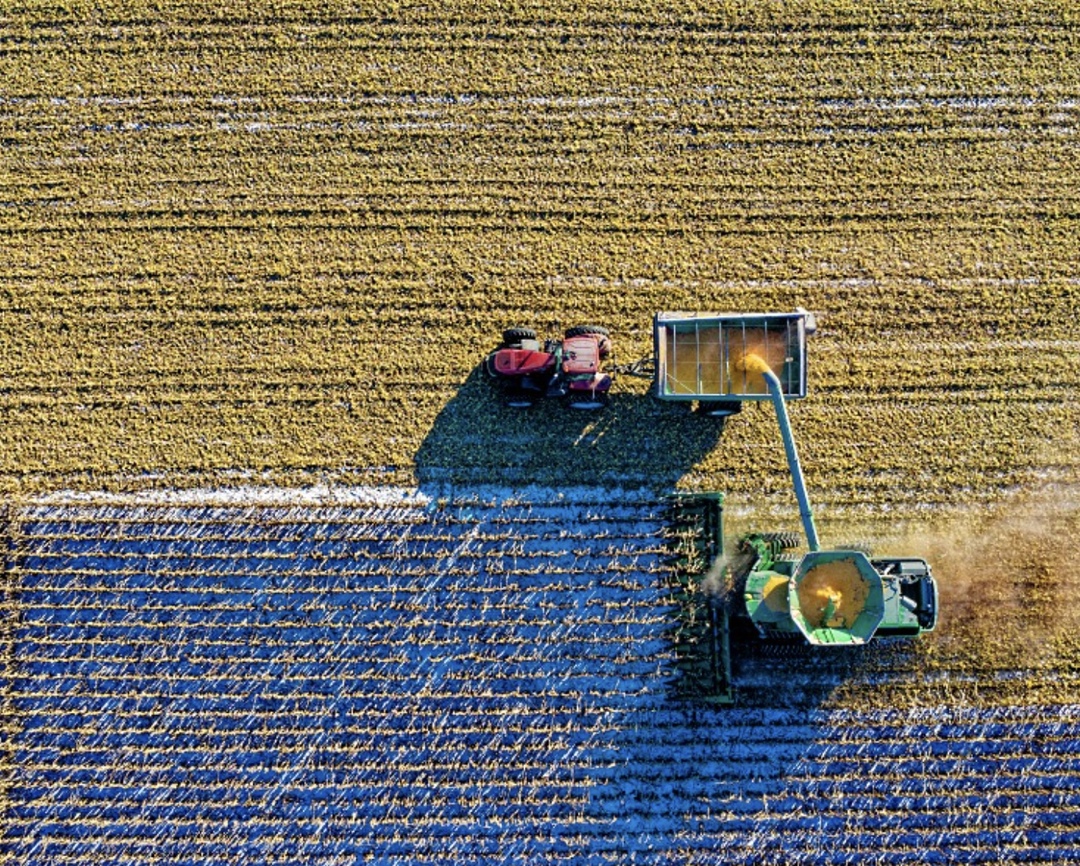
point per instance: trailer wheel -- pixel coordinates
(514, 336)
(719, 408)
(595, 330)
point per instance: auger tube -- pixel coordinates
(754, 364)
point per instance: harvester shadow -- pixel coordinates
(798, 675)
(743, 762)
(635, 440)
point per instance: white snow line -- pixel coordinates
(318, 495)
(346, 495)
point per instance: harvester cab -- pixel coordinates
(570, 368)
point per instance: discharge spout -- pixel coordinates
(755, 365)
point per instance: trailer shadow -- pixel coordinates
(635, 440)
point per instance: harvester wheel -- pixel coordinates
(597, 330)
(514, 336)
(783, 540)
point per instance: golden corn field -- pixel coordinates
(281, 239)
(266, 246)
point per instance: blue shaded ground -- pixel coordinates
(485, 681)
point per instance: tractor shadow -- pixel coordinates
(634, 441)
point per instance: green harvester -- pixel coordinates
(827, 598)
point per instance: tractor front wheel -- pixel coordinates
(582, 330)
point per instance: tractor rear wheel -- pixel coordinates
(588, 402)
(514, 336)
(596, 330)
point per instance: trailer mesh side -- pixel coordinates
(699, 356)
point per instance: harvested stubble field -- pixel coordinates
(271, 242)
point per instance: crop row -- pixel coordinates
(436, 45)
(877, 374)
(854, 452)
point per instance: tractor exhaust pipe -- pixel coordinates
(755, 365)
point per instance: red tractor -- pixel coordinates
(571, 367)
